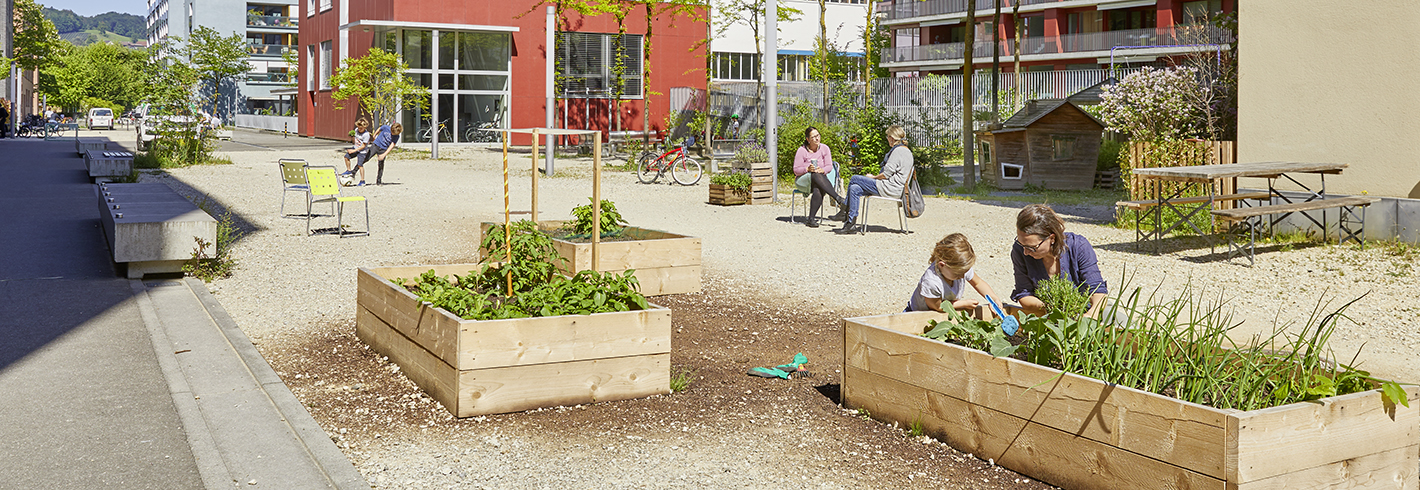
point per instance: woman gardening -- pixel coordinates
(897, 164)
(812, 163)
(1043, 249)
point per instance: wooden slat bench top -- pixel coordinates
(1244, 213)
(1148, 203)
(1206, 173)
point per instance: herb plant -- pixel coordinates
(734, 179)
(538, 289)
(751, 152)
(1059, 294)
(611, 219)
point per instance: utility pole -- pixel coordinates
(771, 90)
(548, 90)
(967, 155)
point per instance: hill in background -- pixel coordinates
(112, 26)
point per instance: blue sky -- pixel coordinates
(95, 7)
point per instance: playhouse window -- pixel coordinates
(1062, 147)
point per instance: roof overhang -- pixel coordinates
(363, 24)
(1125, 4)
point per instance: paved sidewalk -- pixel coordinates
(112, 383)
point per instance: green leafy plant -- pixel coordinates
(750, 152)
(220, 265)
(681, 379)
(611, 220)
(1059, 294)
(733, 179)
(537, 287)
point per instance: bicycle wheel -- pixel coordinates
(686, 171)
(646, 170)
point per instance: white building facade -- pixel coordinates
(269, 27)
(735, 54)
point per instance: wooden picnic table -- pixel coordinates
(1204, 175)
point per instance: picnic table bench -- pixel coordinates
(1248, 220)
(1154, 209)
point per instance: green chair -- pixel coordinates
(293, 179)
(324, 187)
(806, 191)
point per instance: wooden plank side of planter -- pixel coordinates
(560, 339)
(517, 388)
(432, 374)
(1180, 433)
(669, 264)
(432, 328)
(1045, 453)
(1393, 470)
(669, 280)
(1276, 441)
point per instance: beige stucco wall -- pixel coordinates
(1321, 80)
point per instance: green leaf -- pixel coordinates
(1395, 394)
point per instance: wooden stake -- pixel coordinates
(507, 216)
(534, 176)
(596, 202)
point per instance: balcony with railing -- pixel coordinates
(907, 9)
(275, 50)
(272, 21)
(1095, 43)
(268, 78)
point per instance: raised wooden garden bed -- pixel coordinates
(725, 195)
(665, 263)
(497, 366)
(762, 190)
(1079, 432)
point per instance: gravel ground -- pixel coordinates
(294, 296)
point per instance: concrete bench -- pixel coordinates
(104, 165)
(1350, 221)
(151, 228)
(86, 145)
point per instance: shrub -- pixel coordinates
(611, 219)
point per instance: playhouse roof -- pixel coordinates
(1091, 95)
(1036, 109)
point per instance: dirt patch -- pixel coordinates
(726, 430)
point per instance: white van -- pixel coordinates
(100, 118)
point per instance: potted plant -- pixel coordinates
(514, 332)
(730, 188)
(1159, 399)
(663, 262)
(753, 159)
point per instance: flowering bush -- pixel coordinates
(1155, 105)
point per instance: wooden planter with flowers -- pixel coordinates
(1079, 432)
(477, 367)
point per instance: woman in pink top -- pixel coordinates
(815, 161)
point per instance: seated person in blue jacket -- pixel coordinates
(1043, 249)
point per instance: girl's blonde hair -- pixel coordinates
(362, 123)
(896, 132)
(955, 252)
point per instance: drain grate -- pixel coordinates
(160, 284)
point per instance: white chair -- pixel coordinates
(807, 192)
(896, 201)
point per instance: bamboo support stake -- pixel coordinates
(596, 202)
(507, 216)
(534, 176)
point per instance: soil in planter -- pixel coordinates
(727, 430)
(627, 234)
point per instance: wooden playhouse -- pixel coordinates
(1051, 143)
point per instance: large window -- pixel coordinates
(326, 68)
(1201, 11)
(468, 74)
(735, 66)
(587, 65)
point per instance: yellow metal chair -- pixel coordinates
(324, 187)
(293, 179)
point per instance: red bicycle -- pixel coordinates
(683, 169)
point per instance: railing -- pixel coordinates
(272, 21)
(268, 77)
(906, 9)
(1070, 43)
(268, 49)
(271, 123)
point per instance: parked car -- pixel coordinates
(100, 118)
(152, 121)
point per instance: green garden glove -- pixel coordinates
(795, 365)
(768, 373)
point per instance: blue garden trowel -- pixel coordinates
(1009, 324)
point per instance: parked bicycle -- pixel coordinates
(683, 169)
(475, 134)
(428, 133)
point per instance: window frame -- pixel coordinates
(326, 61)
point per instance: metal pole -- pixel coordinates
(548, 90)
(434, 104)
(771, 79)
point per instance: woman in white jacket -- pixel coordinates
(897, 165)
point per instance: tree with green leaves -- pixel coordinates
(97, 75)
(170, 88)
(216, 58)
(379, 83)
(749, 12)
(674, 9)
(36, 42)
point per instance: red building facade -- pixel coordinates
(485, 63)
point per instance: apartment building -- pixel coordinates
(270, 28)
(736, 52)
(485, 64)
(928, 36)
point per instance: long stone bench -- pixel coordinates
(86, 145)
(151, 228)
(104, 164)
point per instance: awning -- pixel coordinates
(427, 25)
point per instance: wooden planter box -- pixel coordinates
(725, 195)
(762, 174)
(1078, 432)
(665, 263)
(497, 366)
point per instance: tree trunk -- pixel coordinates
(968, 158)
(1019, 101)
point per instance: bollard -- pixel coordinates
(283, 129)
